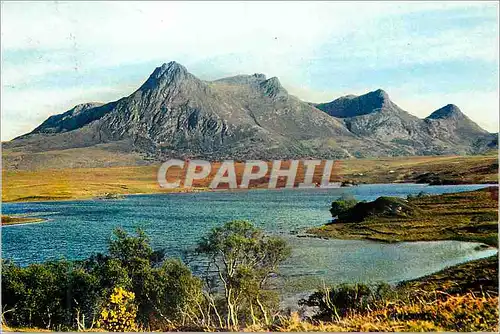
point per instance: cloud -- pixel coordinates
(74, 51)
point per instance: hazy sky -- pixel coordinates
(425, 55)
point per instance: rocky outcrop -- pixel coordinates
(389, 207)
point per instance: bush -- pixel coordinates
(118, 315)
(62, 295)
(47, 295)
(244, 260)
(170, 296)
(342, 205)
(340, 301)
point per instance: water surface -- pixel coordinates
(77, 229)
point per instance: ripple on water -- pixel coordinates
(77, 229)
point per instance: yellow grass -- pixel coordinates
(467, 216)
(83, 183)
(467, 313)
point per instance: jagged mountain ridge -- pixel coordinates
(175, 114)
(445, 131)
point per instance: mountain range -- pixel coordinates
(175, 114)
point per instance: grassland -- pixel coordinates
(450, 169)
(462, 313)
(78, 183)
(467, 216)
(458, 298)
(478, 277)
(85, 183)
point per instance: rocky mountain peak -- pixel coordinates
(166, 74)
(170, 68)
(450, 119)
(446, 112)
(259, 76)
(352, 105)
(175, 114)
(378, 98)
(380, 92)
(273, 88)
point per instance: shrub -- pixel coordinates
(244, 260)
(118, 315)
(346, 299)
(170, 296)
(61, 295)
(342, 205)
(46, 295)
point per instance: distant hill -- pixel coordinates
(175, 114)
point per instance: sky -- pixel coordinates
(423, 54)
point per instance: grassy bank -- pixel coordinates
(12, 220)
(80, 183)
(466, 313)
(478, 277)
(446, 169)
(459, 298)
(467, 216)
(85, 183)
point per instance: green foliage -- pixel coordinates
(134, 286)
(334, 303)
(131, 251)
(244, 259)
(65, 295)
(51, 295)
(342, 205)
(169, 295)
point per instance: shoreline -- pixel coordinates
(461, 216)
(204, 190)
(20, 220)
(308, 235)
(96, 197)
(66, 184)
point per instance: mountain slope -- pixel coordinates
(352, 105)
(450, 123)
(375, 116)
(175, 114)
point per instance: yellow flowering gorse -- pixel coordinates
(119, 313)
